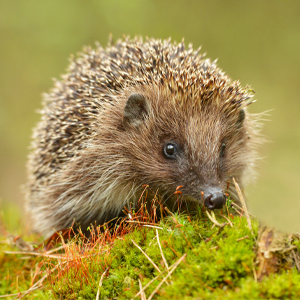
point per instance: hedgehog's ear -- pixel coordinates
(136, 110)
(241, 118)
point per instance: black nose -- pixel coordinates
(214, 200)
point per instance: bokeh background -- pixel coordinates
(257, 42)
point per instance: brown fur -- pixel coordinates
(88, 162)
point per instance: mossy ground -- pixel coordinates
(216, 263)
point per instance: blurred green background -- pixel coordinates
(257, 42)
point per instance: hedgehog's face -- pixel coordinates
(198, 149)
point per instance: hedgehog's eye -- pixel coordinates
(223, 148)
(170, 150)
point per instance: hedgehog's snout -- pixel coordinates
(214, 199)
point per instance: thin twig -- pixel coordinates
(254, 272)
(151, 261)
(243, 238)
(100, 284)
(171, 271)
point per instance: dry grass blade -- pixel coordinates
(162, 254)
(148, 284)
(150, 226)
(18, 294)
(55, 249)
(214, 220)
(100, 284)
(243, 204)
(241, 209)
(151, 261)
(155, 278)
(238, 212)
(230, 223)
(171, 271)
(296, 261)
(237, 206)
(144, 224)
(38, 284)
(143, 295)
(35, 254)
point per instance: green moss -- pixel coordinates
(16, 273)
(217, 266)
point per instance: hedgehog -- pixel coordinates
(138, 112)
